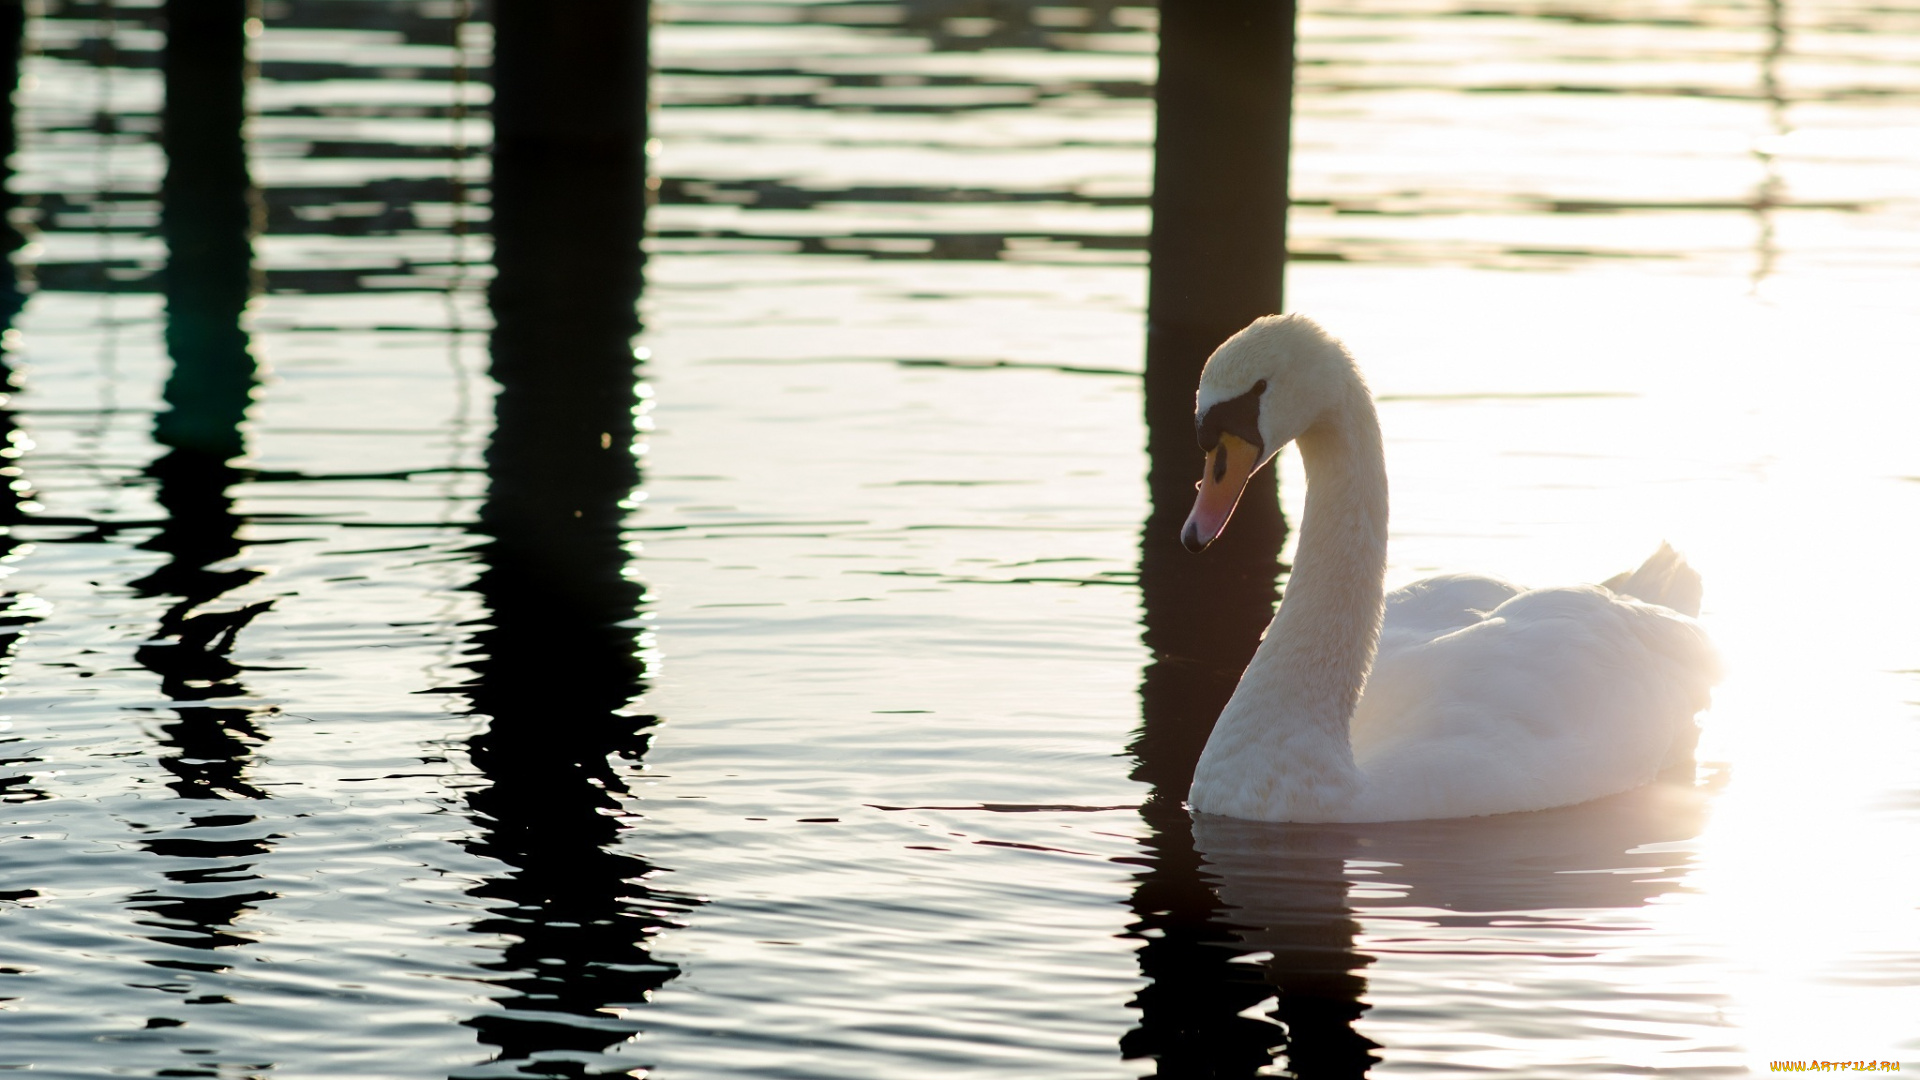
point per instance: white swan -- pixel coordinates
(1483, 698)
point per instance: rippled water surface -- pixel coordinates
(303, 780)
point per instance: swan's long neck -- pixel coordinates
(1281, 750)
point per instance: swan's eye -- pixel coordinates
(1238, 416)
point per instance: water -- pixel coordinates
(1618, 273)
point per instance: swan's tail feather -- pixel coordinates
(1664, 579)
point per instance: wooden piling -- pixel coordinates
(1218, 253)
(557, 662)
(208, 213)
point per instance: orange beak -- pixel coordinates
(1228, 467)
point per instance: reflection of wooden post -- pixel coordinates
(207, 210)
(557, 666)
(1285, 888)
(15, 786)
(1218, 252)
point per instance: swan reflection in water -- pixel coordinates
(1293, 897)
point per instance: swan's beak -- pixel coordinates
(1228, 467)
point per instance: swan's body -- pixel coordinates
(1452, 697)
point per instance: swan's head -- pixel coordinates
(1261, 389)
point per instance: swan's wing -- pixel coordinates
(1557, 696)
(1434, 606)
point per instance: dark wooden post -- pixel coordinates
(1218, 253)
(568, 207)
(1221, 141)
(569, 176)
(13, 26)
(558, 665)
(207, 216)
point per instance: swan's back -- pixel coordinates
(1433, 606)
(1487, 699)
